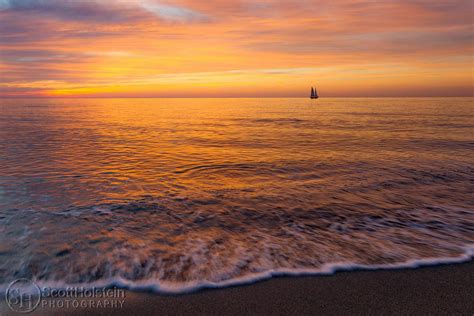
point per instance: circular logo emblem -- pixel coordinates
(23, 296)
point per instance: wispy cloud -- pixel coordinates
(104, 11)
(172, 13)
(90, 10)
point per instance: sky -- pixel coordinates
(236, 48)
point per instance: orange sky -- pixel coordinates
(187, 48)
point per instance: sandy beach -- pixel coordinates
(445, 289)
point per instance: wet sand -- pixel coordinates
(446, 289)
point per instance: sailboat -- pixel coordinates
(314, 93)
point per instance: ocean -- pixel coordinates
(174, 195)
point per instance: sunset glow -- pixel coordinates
(235, 48)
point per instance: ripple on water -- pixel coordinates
(177, 194)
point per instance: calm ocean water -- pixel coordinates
(179, 193)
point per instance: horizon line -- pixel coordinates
(223, 97)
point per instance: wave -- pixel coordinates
(177, 244)
(174, 288)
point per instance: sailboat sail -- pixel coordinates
(314, 93)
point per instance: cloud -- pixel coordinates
(172, 13)
(68, 10)
(102, 11)
(100, 41)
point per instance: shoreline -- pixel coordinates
(164, 288)
(445, 289)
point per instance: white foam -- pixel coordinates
(164, 287)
